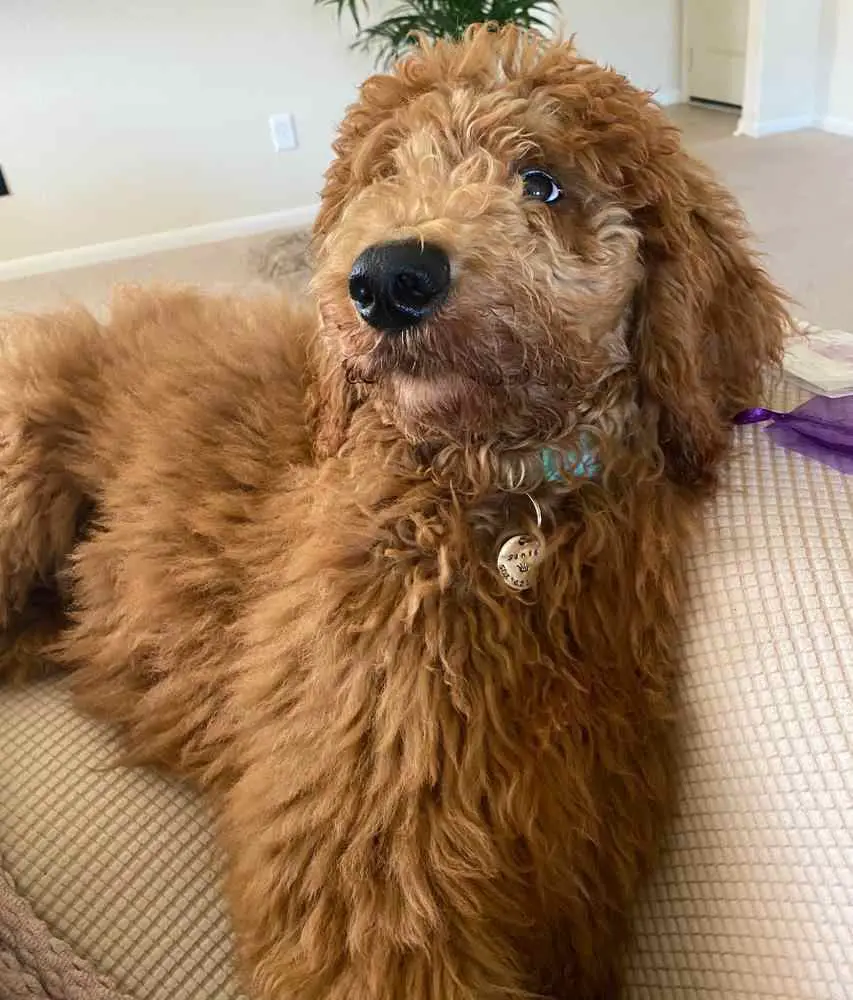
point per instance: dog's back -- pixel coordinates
(186, 405)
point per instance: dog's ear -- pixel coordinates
(708, 322)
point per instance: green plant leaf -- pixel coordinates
(390, 37)
(352, 6)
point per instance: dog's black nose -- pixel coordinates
(396, 285)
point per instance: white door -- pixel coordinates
(716, 49)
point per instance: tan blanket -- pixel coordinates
(35, 965)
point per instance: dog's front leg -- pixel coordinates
(50, 385)
(361, 864)
(313, 924)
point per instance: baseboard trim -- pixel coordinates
(666, 98)
(758, 130)
(172, 239)
(838, 126)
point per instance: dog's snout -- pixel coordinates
(397, 285)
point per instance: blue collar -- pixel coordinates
(581, 462)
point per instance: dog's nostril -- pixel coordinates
(360, 292)
(395, 286)
(411, 289)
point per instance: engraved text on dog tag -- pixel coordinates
(519, 558)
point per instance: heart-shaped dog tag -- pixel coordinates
(519, 558)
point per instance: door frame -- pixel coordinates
(748, 121)
(753, 34)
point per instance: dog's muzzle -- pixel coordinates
(395, 286)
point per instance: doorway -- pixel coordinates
(715, 48)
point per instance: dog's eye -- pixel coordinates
(539, 184)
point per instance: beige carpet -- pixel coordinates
(797, 190)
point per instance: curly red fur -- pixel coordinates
(275, 533)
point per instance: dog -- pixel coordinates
(395, 573)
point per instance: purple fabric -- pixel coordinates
(821, 428)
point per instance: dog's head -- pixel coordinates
(512, 247)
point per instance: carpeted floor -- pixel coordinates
(797, 190)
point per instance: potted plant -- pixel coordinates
(395, 33)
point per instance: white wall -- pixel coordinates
(799, 66)
(122, 118)
(640, 38)
(839, 100)
(826, 52)
(791, 60)
(128, 117)
(784, 77)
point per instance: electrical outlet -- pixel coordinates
(283, 132)
(4, 187)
